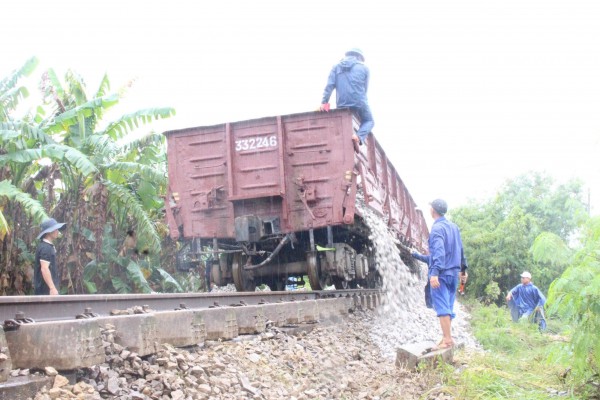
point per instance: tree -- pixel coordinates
(558, 209)
(499, 235)
(575, 297)
(99, 178)
(551, 255)
(19, 209)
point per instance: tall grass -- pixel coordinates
(517, 361)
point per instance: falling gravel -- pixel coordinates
(404, 318)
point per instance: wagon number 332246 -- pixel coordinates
(256, 143)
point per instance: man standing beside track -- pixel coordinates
(350, 79)
(446, 260)
(45, 271)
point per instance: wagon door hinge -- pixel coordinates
(302, 195)
(349, 187)
(306, 194)
(212, 197)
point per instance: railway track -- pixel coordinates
(70, 332)
(56, 308)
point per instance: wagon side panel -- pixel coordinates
(198, 180)
(319, 161)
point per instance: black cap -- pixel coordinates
(440, 206)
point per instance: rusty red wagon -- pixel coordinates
(275, 197)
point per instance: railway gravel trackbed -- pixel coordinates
(65, 332)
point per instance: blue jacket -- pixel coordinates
(527, 297)
(350, 79)
(446, 249)
(428, 258)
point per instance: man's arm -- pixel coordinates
(437, 256)
(436, 252)
(420, 257)
(509, 296)
(47, 275)
(329, 87)
(541, 298)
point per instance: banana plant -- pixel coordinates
(85, 171)
(11, 92)
(101, 177)
(20, 207)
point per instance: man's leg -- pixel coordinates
(441, 298)
(446, 324)
(366, 123)
(541, 321)
(428, 301)
(514, 310)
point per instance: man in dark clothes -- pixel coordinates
(350, 79)
(45, 271)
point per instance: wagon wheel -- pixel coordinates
(215, 274)
(374, 280)
(243, 280)
(341, 283)
(276, 284)
(318, 281)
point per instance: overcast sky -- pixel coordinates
(465, 94)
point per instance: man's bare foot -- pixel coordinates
(356, 143)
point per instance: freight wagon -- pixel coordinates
(275, 198)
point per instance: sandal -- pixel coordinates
(442, 346)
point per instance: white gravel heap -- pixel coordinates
(404, 318)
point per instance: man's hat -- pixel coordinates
(50, 225)
(356, 52)
(440, 206)
(526, 274)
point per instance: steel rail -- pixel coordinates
(52, 308)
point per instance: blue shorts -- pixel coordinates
(443, 297)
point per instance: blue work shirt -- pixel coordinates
(527, 297)
(350, 79)
(445, 249)
(421, 257)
